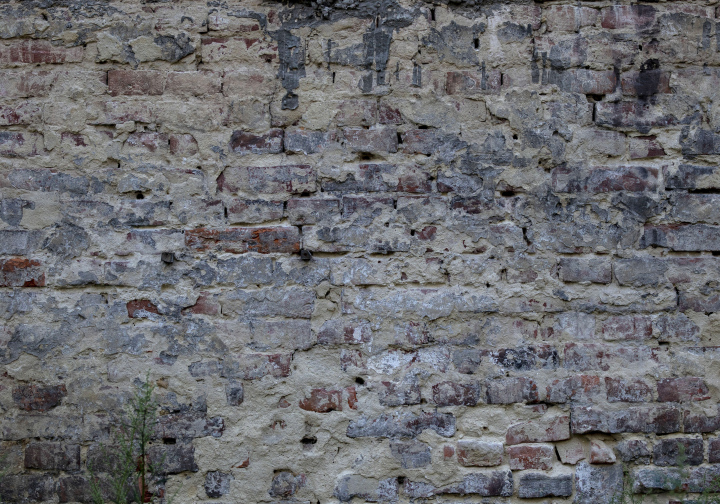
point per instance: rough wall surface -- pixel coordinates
(369, 251)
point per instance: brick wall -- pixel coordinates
(367, 251)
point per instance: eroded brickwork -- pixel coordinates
(370, 251)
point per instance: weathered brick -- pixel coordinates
(628, 16)
(667, 451)
(242, 142)
(569, 18)
(476, 453)
(136, 82)
(371, 140)
(27, 487)
(307, 141)
(275, 180)
(20, 145)
(199, 83)
(186, 426)
(682, 390)
(449, 393)
(627, 327)
(684, 238)
(172, 458)
(471, 83)
(633, 450)
(696, 208)
(535, 485)
(694, 480)
(604, 179)
(405, 392)
(714, 450)
(286, 484)
(357, 113)
(537, 431)
(596, 270)
(368, 489)
(579, 388)
(322, 401)
(52, 456)
(141, 308)
(640, 115)
(312, 210)
(645, 147)
(217, 484)
(39, 51)
(524, 457)
(598, 484)
(38, 397)
(242, 240)
(687, 176)
(402, 425)
(241, 211)
(621, 390)
(590, 356)
(26, 84)
(658, 419)
(255, 366)
(600, 453)
(579, 80)
(640, 271)
(511, 390)
(21, 272)
(486, 484)
(411, 454)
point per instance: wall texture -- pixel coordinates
(368, 250)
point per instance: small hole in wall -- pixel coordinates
(139, 195)
(333, 77)
(515, 137)
(476, 44)
(401, 480)
(432, 14)
(169, 440)
(640, 47)
(387, 224)
(412, 232)
(309, 440)
(359, 381)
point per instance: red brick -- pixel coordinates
(148, 141)
(21, 272)
(682, 390)
(371, 140)
(200, 83)
(628, 16)
(140, 308)
(344, 332)
(414, 180)
(39, 51)
(38, 397)
(539, 431)
(627, 327)
(683, 238)
(242, 240)
(241, 211)
(322, 401)
(136, 82)
(605, 179)
(634, 390)
(420, 141)
(242, 142)
(524, 457)
(470, 83)
(449, 393)
(714, 450)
